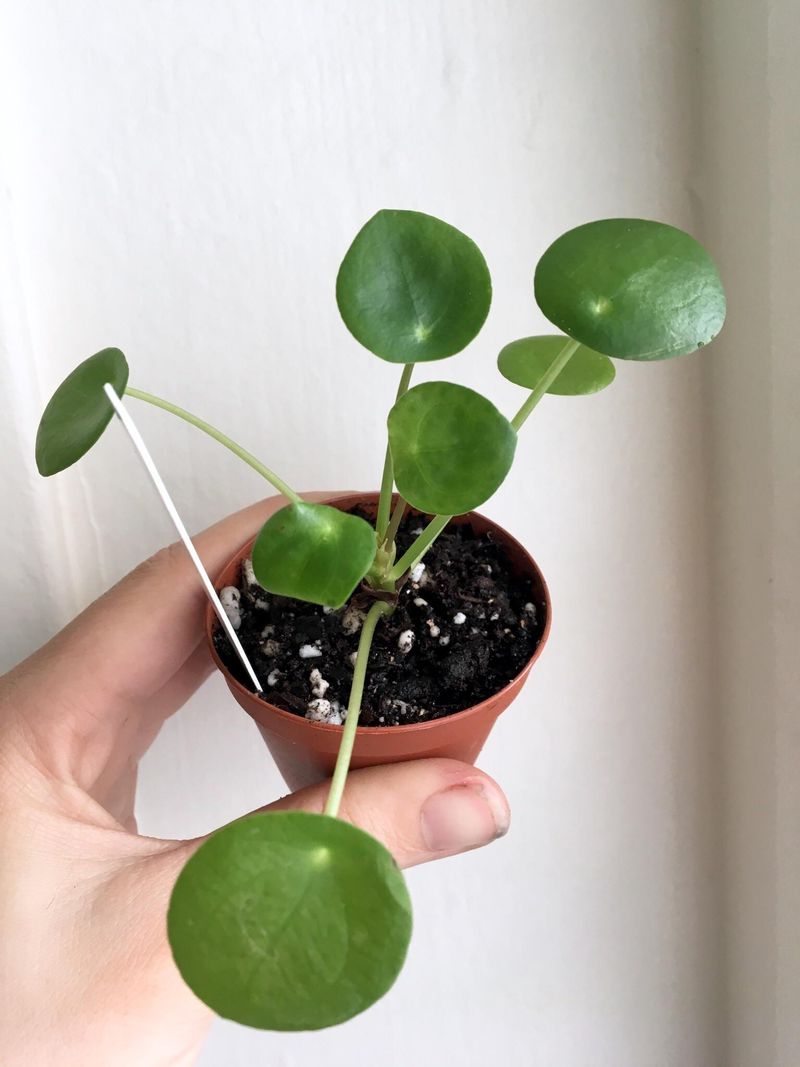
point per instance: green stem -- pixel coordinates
(248, 457)
(438, 522)
(387, 481)
(544, 383)
(354, 707)
(397, 518)
(415, 553)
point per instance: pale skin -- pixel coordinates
(86, 976)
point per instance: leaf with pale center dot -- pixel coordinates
(79, 411)
(290, 921)
(631, 289)
(412, 288)
(526, 361)
(451, 447)
(313, 552)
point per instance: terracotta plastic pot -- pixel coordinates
(305, 751)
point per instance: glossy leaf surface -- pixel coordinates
(313, 552)
(451, 447)
(79, 411)
(290, 921)
(631, 289)
(412, 288)
(526, 361)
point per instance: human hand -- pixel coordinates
(86, 974)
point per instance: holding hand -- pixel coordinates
(86, 974)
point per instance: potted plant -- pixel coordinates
(406, 607)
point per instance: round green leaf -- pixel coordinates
(413, 288)
(450, 446)
(632, 289)
(313, 552)
(290, 921)
(79, 411)
(525, 362)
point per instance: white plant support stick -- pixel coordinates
(172, 511)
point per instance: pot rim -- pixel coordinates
(327, 728)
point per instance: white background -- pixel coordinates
(181, 179)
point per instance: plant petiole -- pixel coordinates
(387, 481)
(544, 383)
(378, 574)
(332, 804)
(418, 549)
(397, 518)
(265, 472)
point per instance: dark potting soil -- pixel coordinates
(463, 628)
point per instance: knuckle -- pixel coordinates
(451, 771)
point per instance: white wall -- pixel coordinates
(751, 153)
(182, 180)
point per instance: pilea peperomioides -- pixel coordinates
(295, 921)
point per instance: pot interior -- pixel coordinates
(453, 645)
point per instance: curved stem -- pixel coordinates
(397, 518)
(418, 549)
(212, 431)
(354, 707)
(387, 481)
(438, 522)
(544, 383)
(387, 484)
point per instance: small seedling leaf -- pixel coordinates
(632, 289)
(526, 361)
(79, 411)
(290, 921)
(451, 447)
(313, 552)
(412, 288)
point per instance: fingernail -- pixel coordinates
(464, 816)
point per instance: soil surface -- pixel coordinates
(463, 628)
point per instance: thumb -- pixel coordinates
(422, 810)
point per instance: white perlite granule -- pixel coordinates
(309, 652)
(352, 619)
(353, 657)
(230, 598)
(399, 705)
(444, 639)
(530, 608)
(434, 629)
(253, 584)
(319, 686)
(322, 710)
(417, 573)
(459, 618)
(402, 707)
(271, 647)
(419, 602)
(273, 676)
(405, 642)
